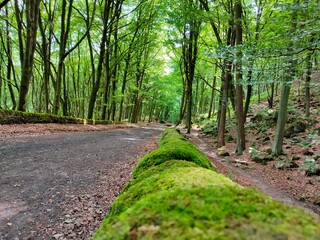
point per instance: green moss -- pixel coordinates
(195, 203)
(18, 117)
(170, 134)
(174, 148)
(158, 178)
(181, 199)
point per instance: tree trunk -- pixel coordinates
(307, 84)
(65, 27)
(97, 81)
(46, 55)
(241, 144)
(190, 52)
(285, 92)
(224, 104)
(249, 94)
(32, 11)
(282, 118)
(212, 102)
(10, 63)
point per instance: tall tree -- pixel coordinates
(99, 69)
(241, 144)
(285, 89)
(32, 16)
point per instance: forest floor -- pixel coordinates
(290, 186)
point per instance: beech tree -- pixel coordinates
(113, 60)
(32, 15)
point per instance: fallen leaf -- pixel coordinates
(70, 220)
(58, 235)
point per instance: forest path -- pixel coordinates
(59, 186)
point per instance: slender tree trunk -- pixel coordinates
(65, 92)
(272, 96)
(285, 92)
(10, 65)
(97, 81)
(107, 78)
(190, 53)
(224, 104)
(241, 144)
(20, 30)
(65, 27)
(282, 118)
(212, 102)
(127, 66)
(46, 56)
(116, 58)
(32, 11)
(249, 94)
(307, 84)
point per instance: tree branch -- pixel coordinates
(3, 3)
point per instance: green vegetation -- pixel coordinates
(178, 199)
(18, 117)
(172, 146)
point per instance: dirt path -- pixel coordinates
(249, 176)
(59, 186)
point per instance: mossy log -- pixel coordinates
(184, 199)
(18, 117)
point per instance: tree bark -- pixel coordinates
(212, 102)
(97, 81)
(307, 84)
(285, 92)
(282, 118)
(241, 144)
(32, 11)
(224, 104)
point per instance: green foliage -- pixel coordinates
(265, 119)
(210, 127)
(310, 165)
(230, 175)
(284, 164)
(305, 144)
(255, 97)
(254, 153)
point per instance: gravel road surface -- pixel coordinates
(60, 186)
